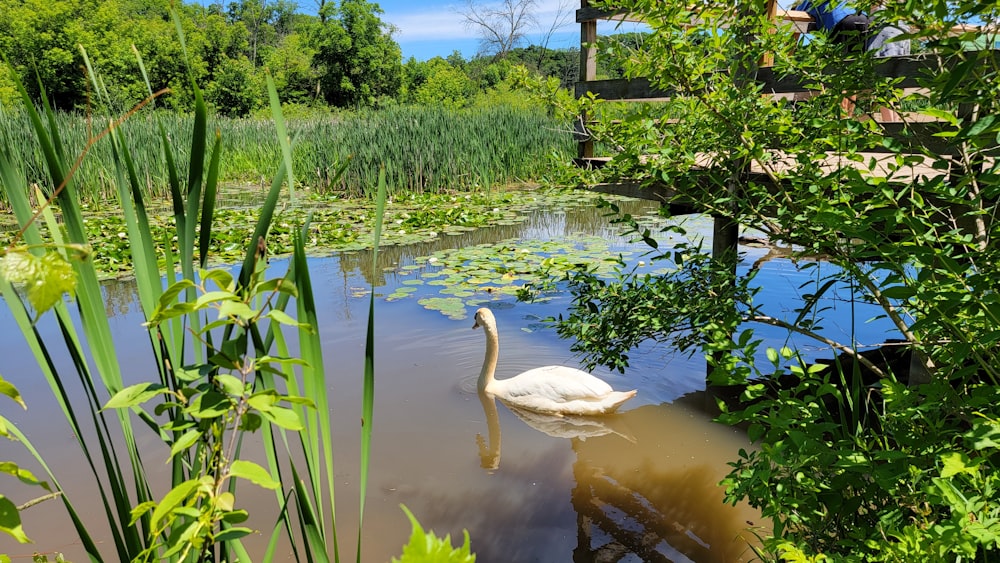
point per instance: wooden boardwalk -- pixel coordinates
(918, 132)
(780, 165)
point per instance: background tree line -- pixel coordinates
(344, 56)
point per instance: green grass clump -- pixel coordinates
(422, 148)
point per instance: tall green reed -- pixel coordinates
(422, 148)
(217, 345)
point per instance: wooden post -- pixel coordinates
(588, 72)
(767, 59)
(726, 230)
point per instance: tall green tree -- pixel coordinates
(356, 56)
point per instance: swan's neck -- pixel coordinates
(490, 362)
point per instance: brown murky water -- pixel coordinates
(639, 486)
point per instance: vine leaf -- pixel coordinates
(10, 520)
(44, 278)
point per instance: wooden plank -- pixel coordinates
(584, 15)
(800, 20)
(908, 69)
(781, 164)
(621, 89)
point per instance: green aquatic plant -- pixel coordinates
(224, 366)
(423, 149)
(426, 547)
(10, 518)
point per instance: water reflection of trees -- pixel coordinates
(119, 296)
(543, 224)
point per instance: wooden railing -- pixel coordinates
(904, 70)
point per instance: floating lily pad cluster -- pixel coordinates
(448, 280)
(337, 224)
(453, 280)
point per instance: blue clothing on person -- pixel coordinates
(827, 14)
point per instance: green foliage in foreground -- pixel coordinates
(425, 547)
(857, 462)
(10, 519)
(222, 362)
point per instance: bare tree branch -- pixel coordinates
(501, 25)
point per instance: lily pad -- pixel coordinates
(451, 307)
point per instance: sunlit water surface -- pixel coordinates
(639, 486)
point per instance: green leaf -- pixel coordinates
(283, 318)
(232, 385)
(251, 422)
(25, 476)
(236, 309)
(232, 534)
(254, 473)
(19, 267)
(267, 360)
(134, 395)
(276, 284)
(981, 125)
(222, 278)
(425, 547)
(225, 501)
(772, 356)
(184, 442)
(10, 520)
(44, 279)
(213, 296)
(955, 463)
(235, 516)
(263, 400)
(140, 510)
(172, 500)
(8, 389)
(984, 435)
(284, 418)
(210, 404)
(170, 294)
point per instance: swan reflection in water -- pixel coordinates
(557, 426)
(646, 483)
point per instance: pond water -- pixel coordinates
(638, 486)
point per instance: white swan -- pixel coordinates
(550, 389)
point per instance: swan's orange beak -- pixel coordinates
(476, 324)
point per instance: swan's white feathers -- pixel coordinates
(550, 389)
(556, 382)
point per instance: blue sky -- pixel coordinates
(429, 28)
(435, 27)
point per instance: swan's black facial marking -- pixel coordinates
(480, 315)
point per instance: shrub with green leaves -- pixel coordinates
(854, 461)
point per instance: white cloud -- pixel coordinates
(445, 21)
(437, 23)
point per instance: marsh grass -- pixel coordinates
(217, 370)
(422, 148)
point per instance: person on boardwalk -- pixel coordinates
(840, 20)
(853, 29)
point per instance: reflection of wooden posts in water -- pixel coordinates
(590, 513)
(658, 497)
(655, 494)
